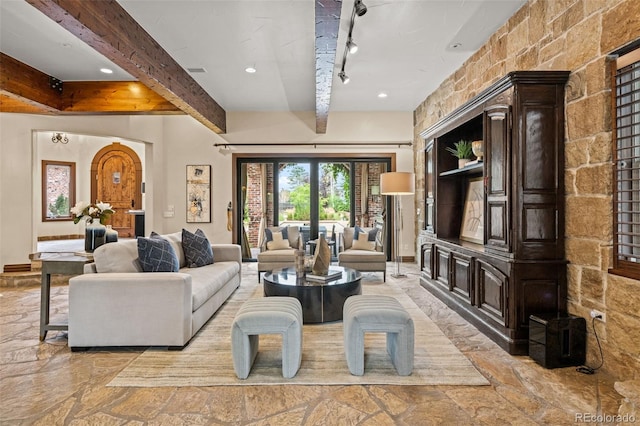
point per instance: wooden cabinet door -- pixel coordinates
(492, 292)
(461, 281)
(441, 265)
(427, 261)
(498, 180)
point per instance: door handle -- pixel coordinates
(133, 203)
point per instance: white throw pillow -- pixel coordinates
(363, 243)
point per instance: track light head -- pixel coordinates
(351, 46)
(343, 77)
(361, 9)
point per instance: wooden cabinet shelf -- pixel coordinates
(469, 169)
(513, 202)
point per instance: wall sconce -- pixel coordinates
(59, 137)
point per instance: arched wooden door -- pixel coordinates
(116, 178)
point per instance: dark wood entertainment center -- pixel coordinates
(517, 266)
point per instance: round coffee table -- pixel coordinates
(321, 301)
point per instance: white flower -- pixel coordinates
(88, 212)
(79, 208)
(103, 206)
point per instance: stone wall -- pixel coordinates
(575, 35)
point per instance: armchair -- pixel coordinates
(365, 254)
(278, 255)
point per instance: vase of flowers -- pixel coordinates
(95, 217)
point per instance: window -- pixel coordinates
(58, 190)
(626, 203)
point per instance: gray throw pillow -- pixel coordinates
(269, 233)
(372, 233)
(197, 248)
(156, 255)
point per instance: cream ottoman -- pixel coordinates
(371, 313)
(267, 315)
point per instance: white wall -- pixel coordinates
(171, 143)
(81, 150)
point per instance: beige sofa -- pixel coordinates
(115, 304)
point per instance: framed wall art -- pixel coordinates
(472, 228)
(199, 194)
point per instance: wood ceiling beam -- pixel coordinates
(110, 30)
(9, 104)
(25, 87)
(327, 26)
(118, 97)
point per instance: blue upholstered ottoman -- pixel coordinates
(372, 313)
(267, 315)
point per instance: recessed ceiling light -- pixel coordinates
(106, 70)
(382, 95)
(250, 70)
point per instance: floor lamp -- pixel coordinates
(397, 184)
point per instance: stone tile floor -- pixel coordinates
(43, 383)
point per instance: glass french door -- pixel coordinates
(294, 196)
(333, 201)
(321, 196)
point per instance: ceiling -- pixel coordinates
(406, 48)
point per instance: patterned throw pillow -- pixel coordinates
(156, 255)
(197, 248)
(363, 243)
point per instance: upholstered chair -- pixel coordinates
(364, 251)
(278, 248)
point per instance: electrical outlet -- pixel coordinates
(597, 315)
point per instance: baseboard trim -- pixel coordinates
(18, 267)
(60, 237)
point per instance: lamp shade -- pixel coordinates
(397, 183)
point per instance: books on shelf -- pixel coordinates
(332, 274)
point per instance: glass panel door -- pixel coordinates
(256, 205)
(334, 201)
(294, 196)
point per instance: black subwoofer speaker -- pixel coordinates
(557, 341)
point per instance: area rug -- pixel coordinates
(207, 360)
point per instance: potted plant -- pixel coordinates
(463, 151)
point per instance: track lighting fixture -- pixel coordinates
(359, 9)
(351, 46)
